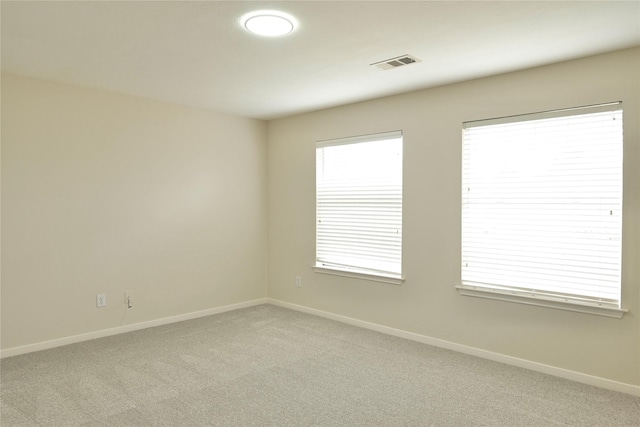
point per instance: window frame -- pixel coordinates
(519, 294)
(359, 271)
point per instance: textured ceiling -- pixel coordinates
(197, 54)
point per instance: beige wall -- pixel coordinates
(103, 193)
(427, 302)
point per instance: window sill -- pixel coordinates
(499, 295)
(394, 280)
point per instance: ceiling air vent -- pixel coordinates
(396, 62)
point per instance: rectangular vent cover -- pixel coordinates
(389, 64)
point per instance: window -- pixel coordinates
(359, 207)
(542, 209)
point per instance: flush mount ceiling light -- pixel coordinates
(268, 23)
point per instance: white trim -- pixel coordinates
(394, 280)
(360, 138)
(509, 360)
(29, 348)
(564, 112)
(473, 351)
(540, 300)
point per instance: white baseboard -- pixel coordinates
(15, 351)
(497, 357)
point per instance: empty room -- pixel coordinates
(320, 213)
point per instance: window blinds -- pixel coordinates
(359, 204)
(542, 205)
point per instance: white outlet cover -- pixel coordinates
(101, 300)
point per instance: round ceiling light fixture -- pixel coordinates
(269, 23)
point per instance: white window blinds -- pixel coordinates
(542, 205)
(359, 204)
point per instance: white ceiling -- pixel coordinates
(197, 54)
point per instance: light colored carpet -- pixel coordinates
(269, 366)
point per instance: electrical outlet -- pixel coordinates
(128, 298)
(101, 300)
(298, 282)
